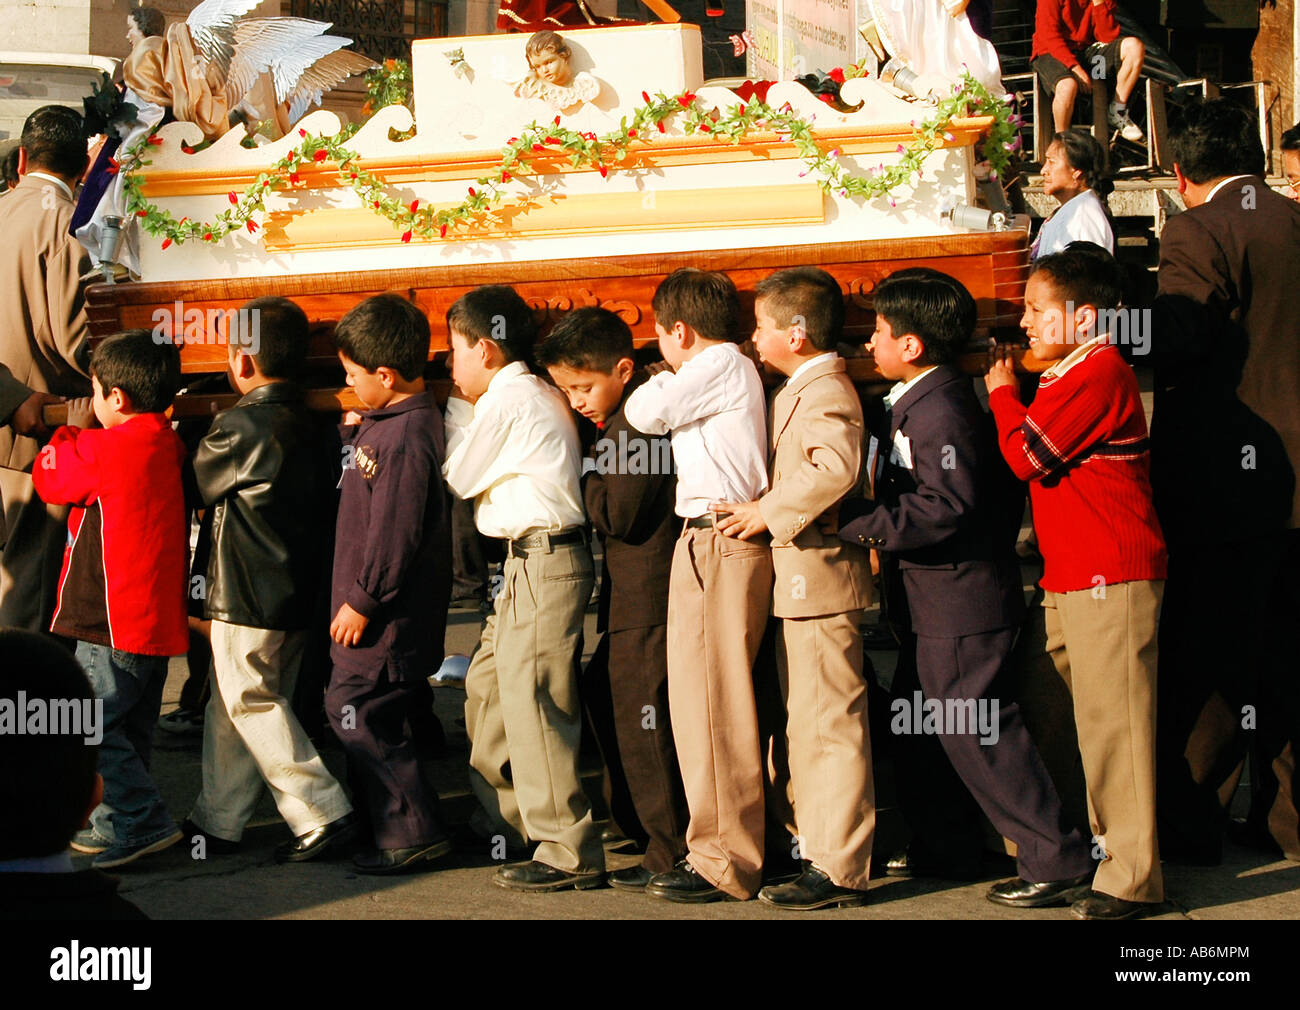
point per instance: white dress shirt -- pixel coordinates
(516, 453)
(715, 409)
(897, 390)
(812, 363)
(1081, 218)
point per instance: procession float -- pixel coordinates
(581, 168)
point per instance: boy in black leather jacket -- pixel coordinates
(267, 471)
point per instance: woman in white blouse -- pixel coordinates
(1073, 174)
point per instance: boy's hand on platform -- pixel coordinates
(348, 626)
(81, 412)
(741, 520)
(1002, 369)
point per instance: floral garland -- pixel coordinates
(601, 153)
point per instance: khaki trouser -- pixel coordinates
(32, 555)
(829, 743)
(719, 595)
(522, 712)
(251, 736)
(1103, 643)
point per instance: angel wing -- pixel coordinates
(259, 43)
(212, 28)
(324, 74)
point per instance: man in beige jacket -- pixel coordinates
(42, 346)
(820, 589)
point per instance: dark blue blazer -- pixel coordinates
(949, 523)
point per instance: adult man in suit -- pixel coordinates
(943, 515)
(821, 586)
(1225, 345)
(43, 345)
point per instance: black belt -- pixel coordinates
(701, 522)
(520, 546)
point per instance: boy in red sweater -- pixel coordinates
(1082, 445)
(122, 589)
(1077, 41)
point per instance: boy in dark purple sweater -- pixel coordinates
(392, 579)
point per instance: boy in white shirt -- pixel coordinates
(719, 590)
(512, 446)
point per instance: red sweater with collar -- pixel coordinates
(1064, 28)
(126, 565)
(1082, 445)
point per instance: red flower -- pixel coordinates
(302, 132)
(552, 140)
(538, 147)
(442, 232)
(293, 155)
(181, 221)
(661, 127)
(505, 176)
(471, 191)
(837, 75)
(631, 133)
(740, 110)
(685, 99)
(645, 97)
(295, 177)
(376, 205)
(406, 236)
(704, 128)
(557, 120)
(166, 242)
(233, 199)
(415, 205)
(603, 171)
(113, 166)
(354, 175)
(513, 140)
(207, 237)
(141, 213)
(251, 226)
(154, 140)
(320, 155)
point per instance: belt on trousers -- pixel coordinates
(520, 546)
(700, 522)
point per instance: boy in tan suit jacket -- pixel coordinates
(821, 585)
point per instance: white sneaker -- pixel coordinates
(1124, 125)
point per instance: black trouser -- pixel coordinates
(1228, 665)
(1006, 775)
(371, 715)
(629, 673)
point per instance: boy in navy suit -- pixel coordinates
(940, 516)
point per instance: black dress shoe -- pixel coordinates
(1104, 906)
(683, 883)
(812, 889)
(909, 864)
(379, 862)
(535, 876)
(632, 878)
(212, 845)
(314, 844)
(1020, 893)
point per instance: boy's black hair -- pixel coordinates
(706, 301)
(810, 293)
(495, 312)
(1291, 139)
(1083, 273)
(932, 305)
(147, 371)
(149, 20)
(46, 779)
(590, 339)
(1215, 140)
(385, 331)
(283, 335)
(54, 137)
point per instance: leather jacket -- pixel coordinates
(268, 470)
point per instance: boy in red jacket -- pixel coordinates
(1077, 41)
(1082, 445)
(122, 589)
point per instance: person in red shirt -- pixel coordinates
(125, 568)
(1076, 42)
(1082, 446)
